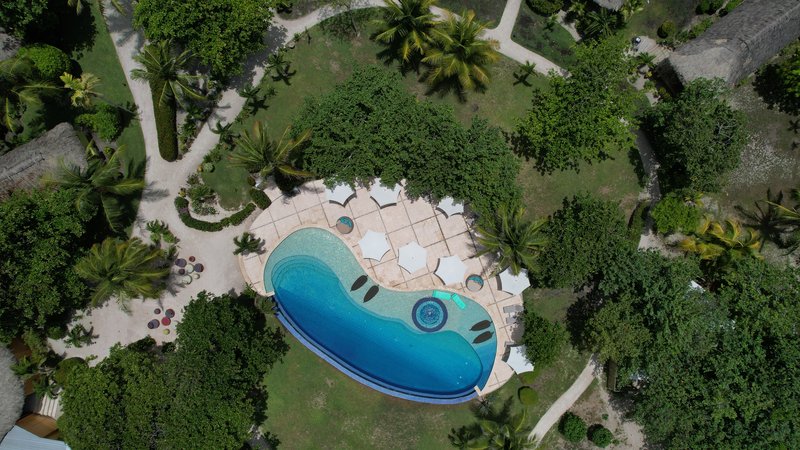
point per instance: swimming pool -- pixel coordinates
(406, 344)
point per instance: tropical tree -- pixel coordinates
(515, 241)
(101, 186)
(278, 63)
(502, 433)
(599, 24)
(629, 8)
(406, 28)
(787, 219)
(123, 269)
(20, 87)
(169, 84)
(257, 153)
(723, 242)
(247, 243)
(459, 55)
(82, 88)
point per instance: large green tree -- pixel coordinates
(222, 33)
(17, 15)
(698, 137)
(42, 235)
(206, 391)
(587, 116)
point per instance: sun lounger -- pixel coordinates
(441, 295)
(512, 309)
(457, 300)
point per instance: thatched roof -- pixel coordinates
(24, 167)
(11, 393)
(737, 44)
(613, 5)
(8, 45)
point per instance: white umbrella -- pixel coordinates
(373, 245)
(412, 257)
(514, 284)
(384, 195)
(518, 360)
(450, 207)
(340, 193)
(451, 270)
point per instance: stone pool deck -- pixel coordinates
(403, 222)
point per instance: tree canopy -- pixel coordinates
(203, 392)
(370, 126)
(222, 33)
(17, 15)
(585, 117)
(42, 235)
(698, 137)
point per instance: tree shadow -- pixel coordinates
(769, 85)
(63, 28)
(765, 217)
(638, 167)
(448, 86)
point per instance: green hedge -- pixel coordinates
(105, 121)
(182, 205)
(260, 198)
(166, 125)
(49, 61)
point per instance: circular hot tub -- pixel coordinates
(429, 314)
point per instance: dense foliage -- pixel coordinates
(585, 117)
(41, 237)
(543, 339)
(789, 75)
(105, 121)
(512, 240)
(584, 235)
(370, 126)
(405, 27)
(673, 213)
(600, 436)
(698, 137)
(203, 392)
(222, 33)
(17, 15)
(572, 427)
(546, 7)
(50, 62)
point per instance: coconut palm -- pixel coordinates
(459, 54)
(500, 434)
(165, 72)
(406, 28)
(123, 269)
(723, 242)
(20, 87)
(101, 186)
(247, 243)
(515, 241)
(82, 88)
(257, 153)
(599, 24)
(787, 220)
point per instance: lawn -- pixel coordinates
(553, 42)
(485, 10)
(230, 184)
(647, 21)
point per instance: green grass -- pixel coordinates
(531, 32)
(647, 21)
(485, 10)
(230, 184)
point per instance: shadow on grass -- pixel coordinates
(769, 85)
(73, 33)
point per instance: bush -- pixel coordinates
(182, 205)
(56, 332)
(166, 117)
(105, 121)
(600, 436)
(546, 7)
(732, 4)
(260, 198)
(49, 61)
(709, 6)
(636, 222)
(64, 368)
(527, 396)
(666, 29)
(544, 339)
(572, 427)
(673, 214)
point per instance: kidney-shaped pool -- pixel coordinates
(413, 345)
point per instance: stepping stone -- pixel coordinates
(371, 293)
(483, 337)
(481, 325)
(360, 281)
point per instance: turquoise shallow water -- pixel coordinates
(376, 343)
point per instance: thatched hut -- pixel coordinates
(24, 167)
(8, 45)
(736, 45)
(613, 5)
(12, 396)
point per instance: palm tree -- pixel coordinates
(82, 88)
(247, 243)
(280, 65)
(515, 241)
(459, 54)
(123, 269)
(787, 220)
(501, 435)
(524, 71)
(257, 153)
(20, 86)
(406, 28)
(102, 185)
(630, 7)
(599, 24)
(723, 243)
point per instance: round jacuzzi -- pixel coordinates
(429, 314)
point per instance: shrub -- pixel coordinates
(182, 205)
(732, 4)
(239, 217)
(600, 436)
(636, 222)
(544, 339)
(546, 7)
(666, 29)
(105, 121)
(56, 332)
(673, 214)
(572, 427)
(64, 368)
(260, 198)
(49, 61)
(165, 115)
(527, 396)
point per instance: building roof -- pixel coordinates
(613, 5)
(24, 167)
(737, 44)
(12, 395)
(8, 45)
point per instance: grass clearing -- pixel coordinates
(230, 184)
(490, 11)
(647, 21)
(551, 41)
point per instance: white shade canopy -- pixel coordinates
(451, 269)
(340, 193)
(514, 284)
(384, 195)
(518, 360)
(450, 207)
(373, 245)
(412, 257)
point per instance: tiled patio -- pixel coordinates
(403, 222)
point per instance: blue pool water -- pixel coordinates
(377, 342)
